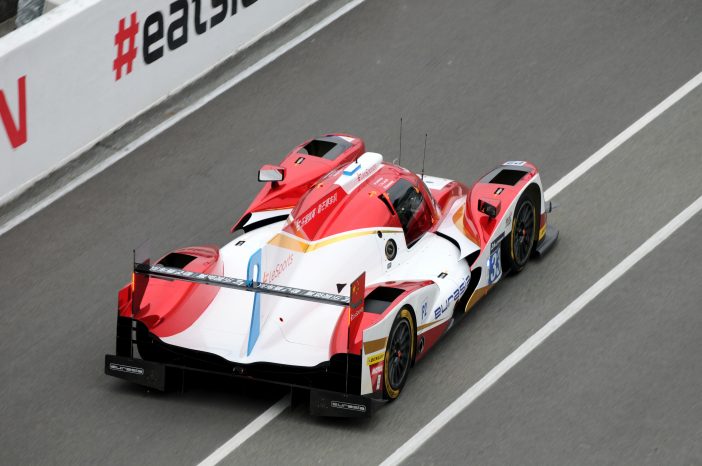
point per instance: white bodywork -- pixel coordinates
(298, 333)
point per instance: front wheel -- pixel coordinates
(518, 246)
(398, 355)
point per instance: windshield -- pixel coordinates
(411, 208)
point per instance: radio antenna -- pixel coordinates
(399, 160)
(426, 136)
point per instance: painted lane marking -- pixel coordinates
(244, 434)
(173, 120)
(470, 395)
(622, 137)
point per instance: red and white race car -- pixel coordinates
(348, 271)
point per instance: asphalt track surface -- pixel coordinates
(550, 82)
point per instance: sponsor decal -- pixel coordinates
(365, 173)
(169, 30)
(307, 218)
(354, 175)
(16, 130)
(126, 369)
(375, 359)
(307, 221)
(355, 314)
(494, 262)
(376, 374)
(278, 270)
(348, 406)
(425, 311)
(383, 182)
(125, 41)
(326, 203)
(240, 283)
(496, 242)
(515, 163)
(452, 298)
(494, 266)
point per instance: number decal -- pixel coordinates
(494, 266)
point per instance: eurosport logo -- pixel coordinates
(278, 270)
(168, 30)
(348, 406)
(126, 369)
(453, 298)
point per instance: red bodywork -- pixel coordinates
(302, 170)
(480, 223)
(168, 308)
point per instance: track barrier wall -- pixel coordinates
(78, 73)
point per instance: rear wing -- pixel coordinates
(143, 270)
(173, 273)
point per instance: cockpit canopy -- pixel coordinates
(365, 194)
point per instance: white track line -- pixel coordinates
(536, 339)
(622, 137)
(561, 184)
(155, 131)
(257, 424)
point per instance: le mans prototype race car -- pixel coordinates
(348, 271)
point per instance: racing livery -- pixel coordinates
(347, 271)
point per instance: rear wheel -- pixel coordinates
(398, 355)
(518, 246)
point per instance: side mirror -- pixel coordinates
(272, 173)
(489, 206)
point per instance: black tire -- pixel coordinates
(399, 354)
(518, 246)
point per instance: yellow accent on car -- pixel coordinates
(374, 345)
(375, 359)
(477, 295)
(287, 242)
